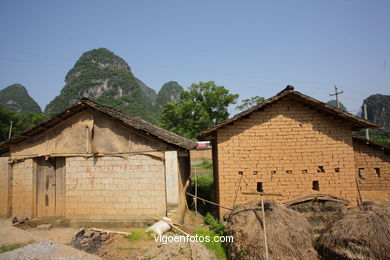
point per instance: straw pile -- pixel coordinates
(318, 209)
(362, 232)
(288, 233)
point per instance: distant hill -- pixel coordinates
(15, 97)
(169, 92)
(106, 78)
(378, 109)
(334, 104)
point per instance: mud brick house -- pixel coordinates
(291, 144)
(372, 164)
(94, 163)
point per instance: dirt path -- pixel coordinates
(40, 244)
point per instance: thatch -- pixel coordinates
(317, 208)
(289, 92)
(288, 233)
(131, 121)
(358, 233)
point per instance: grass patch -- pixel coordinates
(217, 229)
(206, 164)
(217, 247)
(10, 247)
(137, 235)
(214, 224)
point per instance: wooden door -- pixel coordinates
(50, 187)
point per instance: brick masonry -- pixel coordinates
(105, 188)
(372, 167)
(115, 188)
(284, 148)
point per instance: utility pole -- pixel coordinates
(10, 129)
(366, 117)
(336, 93)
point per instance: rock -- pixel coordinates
(104, 237)
(79, 233)
(15, 220)
(88, 233)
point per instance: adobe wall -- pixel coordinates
(374, 167)
(201, 154)
(113, 188)
(22, 188)
(282, 148)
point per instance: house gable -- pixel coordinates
(87, 132)
(288, 149)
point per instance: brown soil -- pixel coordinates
(122, 248)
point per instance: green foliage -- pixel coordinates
(381, 141)
(249, 102)
(205, 186)
(137, 235)
(169, 92)
(21, 122)
(333, 103)
(215, 225)
(7, 248)
(378, 109)
(16, 98)
(220, 249)
(380, 136)
(201, 106)
(106, 78)
(206, 164)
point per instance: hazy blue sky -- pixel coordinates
(250, 47)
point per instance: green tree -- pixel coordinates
(20, 122)
(249, 102)
(201, 106)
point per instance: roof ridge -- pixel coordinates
(359, 122)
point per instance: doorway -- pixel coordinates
(50, 186)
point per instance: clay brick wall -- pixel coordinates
(369, 159)
(111, 188)
(282, 148)
(201, 154)
(22, 188)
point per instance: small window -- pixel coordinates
(273, 172)
(255, 172)
(378, 172)
(316, 185)
(289, 171)
(304, 171)
(337, 169)
(361, 173)
(321, 169)
(240, 173)
(260, 187)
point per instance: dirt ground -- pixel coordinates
(139, 246)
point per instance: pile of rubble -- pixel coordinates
(90, 240)
(16, 220)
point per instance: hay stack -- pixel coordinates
(288, 233)
(362, 232)
(317, 208)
